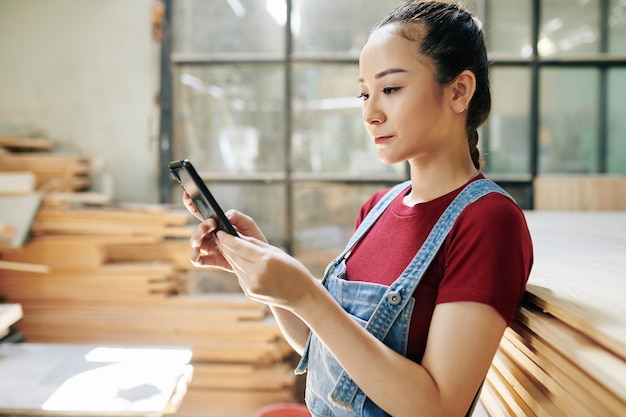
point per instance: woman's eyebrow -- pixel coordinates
(385, 72)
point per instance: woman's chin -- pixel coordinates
(388, 159)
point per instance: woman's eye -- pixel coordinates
(389, 90)
(364, 96)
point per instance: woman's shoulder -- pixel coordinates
(496, 218)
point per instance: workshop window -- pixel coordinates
(264, 104)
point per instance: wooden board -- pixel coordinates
(17, 182)
(581, 192)
(22, 143)
(577, 367)
(225, 403)
(82, 380)
(54, 171)
(10, 313)
(18, 211)
(564, 353)
(579, 274)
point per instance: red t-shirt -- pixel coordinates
(486, 257)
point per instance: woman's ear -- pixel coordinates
(463, 88)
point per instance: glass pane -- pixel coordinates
(616, 163)
(229, 118)
(328, 132)
(506, 145)
(263, 202)
(331, 26)
(568, 137)
(617, 27)
(324, 218)
(227, 26)
(508, 27)
(569, 28)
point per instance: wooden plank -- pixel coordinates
(17, 182)
(18, 211)
(52, 220)
(494, 404)
(569, 401)
(54, 171)
(10, 313)
(511, 399)
(71, 252)
(526, 386)
(255, 352)
(583, 192)
(85, 198)
(579, 275)
(229, 403)
(25, 143)
(25, 267)
(242, 376)
(603, 366)
(593, 393)
(197, 302)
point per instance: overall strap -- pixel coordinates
(374, 214)
(399, 293)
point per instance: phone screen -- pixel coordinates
(194, 192)
(202, 198)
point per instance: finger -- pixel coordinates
(244, 224)
(202, 232)
(243, 247)
(191, 207)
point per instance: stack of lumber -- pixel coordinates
(565, 352)
(580, 192)
(121, 275)
(54, 171)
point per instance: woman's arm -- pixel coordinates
(295, 331)
(462, 341)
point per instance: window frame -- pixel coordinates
(520, 182)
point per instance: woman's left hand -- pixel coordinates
(266, 273)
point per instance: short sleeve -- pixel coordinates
(488, 256)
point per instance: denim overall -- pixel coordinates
(385, 311)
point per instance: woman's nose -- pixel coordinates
(371, 113)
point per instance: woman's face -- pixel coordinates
(403, 109)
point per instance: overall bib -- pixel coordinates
(385, 311)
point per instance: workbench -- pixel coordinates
(83, 380)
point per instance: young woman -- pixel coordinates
(407, 319)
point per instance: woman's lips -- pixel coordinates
(381, 138)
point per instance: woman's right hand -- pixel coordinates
(204, 250)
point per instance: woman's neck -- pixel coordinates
(432, 181)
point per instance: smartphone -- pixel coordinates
(188, 178)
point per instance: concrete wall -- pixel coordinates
(85, 73)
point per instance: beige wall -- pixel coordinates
(85, 73)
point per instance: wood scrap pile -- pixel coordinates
(121, 275)
(125, 280)
(53, 171)
(565, 352)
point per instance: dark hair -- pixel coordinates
(452, 39)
